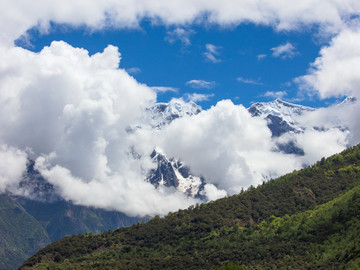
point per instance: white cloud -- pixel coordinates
(317, 144)
(261, 57)
(163, 89)
(181, 34)
(199, 84)
(249, 81)
(285, 51)
(340, 115)
(196, 97)
(275, 94)
(336, 72)
(133, 70)
(212, 192)
(212, 53)
(18, 16)
(12, 166)
(227, 146)
(75, 109)
(125, 192)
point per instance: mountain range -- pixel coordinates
(281, 117)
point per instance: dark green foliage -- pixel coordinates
(304, 220)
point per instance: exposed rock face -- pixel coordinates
(173, 173)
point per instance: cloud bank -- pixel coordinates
(16, 17)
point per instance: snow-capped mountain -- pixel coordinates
(280, 115)
(174, 173)
(162, 114)
(171, 172)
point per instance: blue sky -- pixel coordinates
(243, 65)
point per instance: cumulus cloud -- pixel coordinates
(321, 143)
(199, 84)
(12, 166)
(227, 146)
(343, 116)
(212, 53)
(125, 191)
(336, 71)
(285, 51)
(212, 192)
(72, 111)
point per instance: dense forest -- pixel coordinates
(309, 219)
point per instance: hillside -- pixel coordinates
(21, 235)
(61, 218)
(308, 218)
(28, 225)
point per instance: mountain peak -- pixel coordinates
(162, 113)
(349, 99)
(278, 107)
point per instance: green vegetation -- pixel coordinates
(21, 235)
(309, 219)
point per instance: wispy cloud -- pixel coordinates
(275, 94)
(181, 34)
(285, 51)
(163, 89)
(249, 81)
(212, 53)
(261, 57)
(199, 84)
(133, 70)
(196, 97)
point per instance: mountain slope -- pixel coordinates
(21, 235)
(61, 218)
(184, 239)
(28, 224)
(281, 115)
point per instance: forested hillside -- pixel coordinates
(306, 219)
